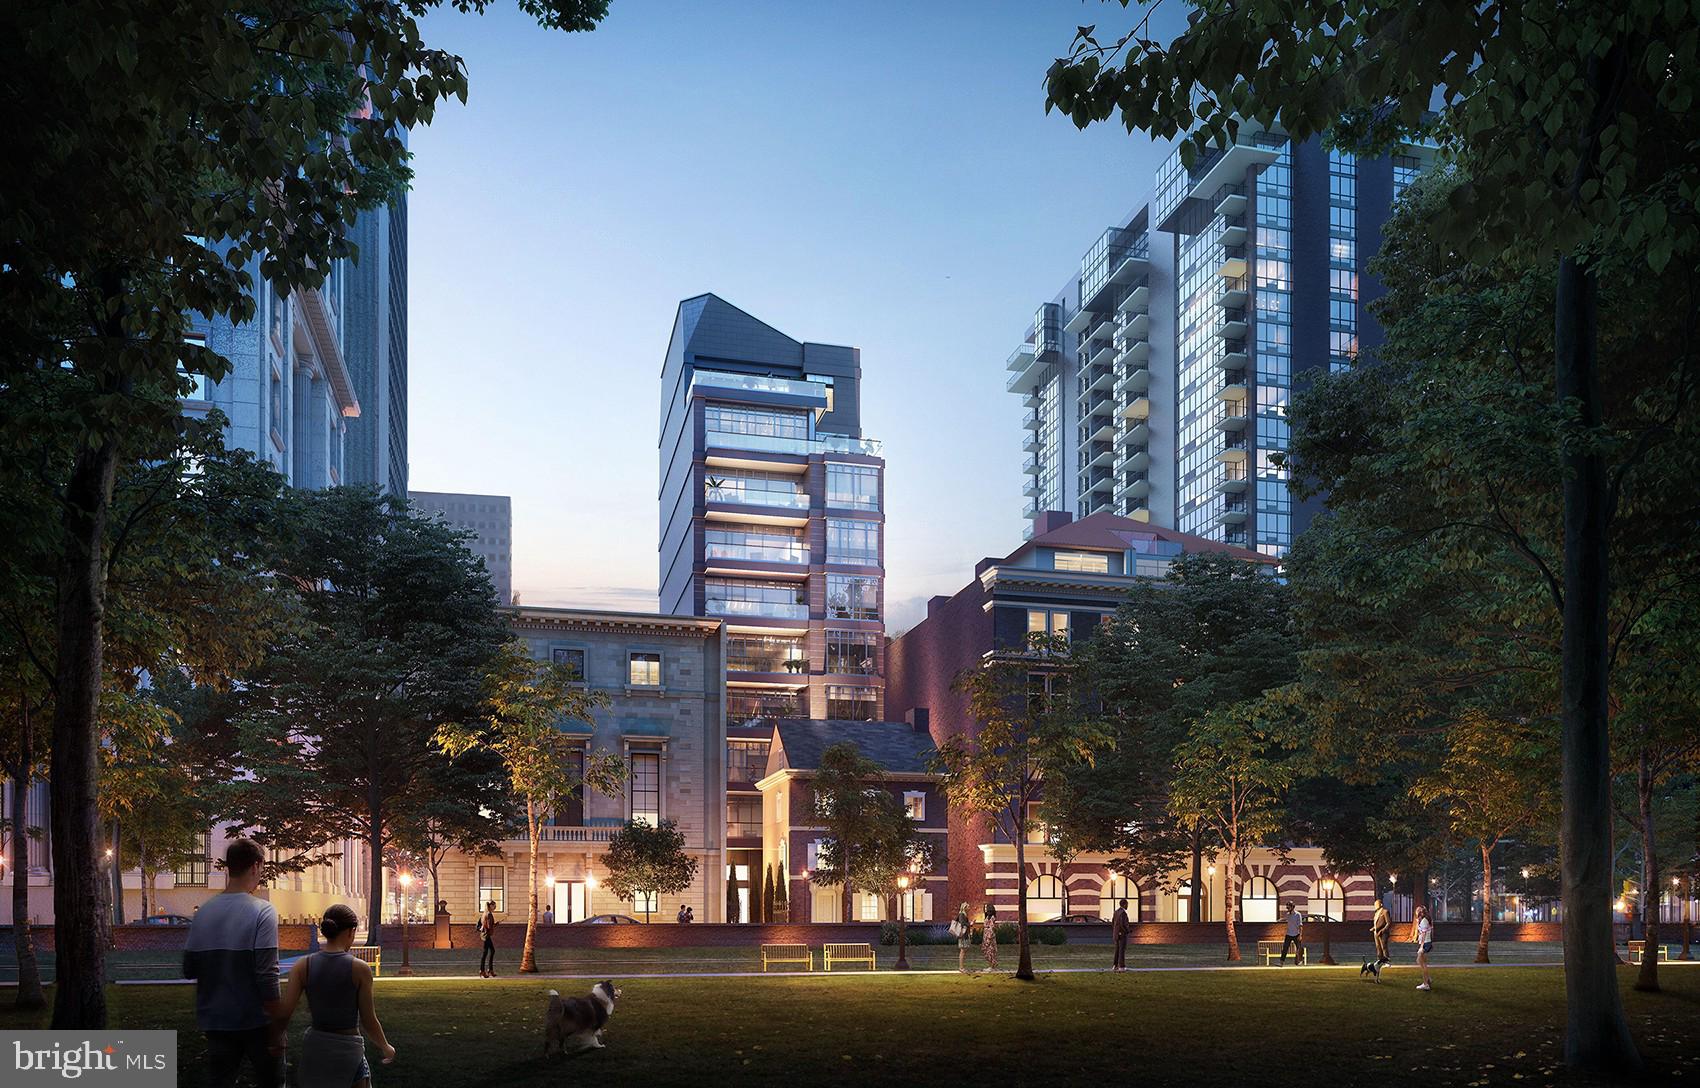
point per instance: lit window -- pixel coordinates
(645, 671)
(1084, 562)
(1328, 900)
(1114, 890)
(1045, 622)
(192, 872)
(1258, 900)
(493, 886)
(1044, 899)
(915, 804)
(644, 903)
(645, 788)
(856, 487)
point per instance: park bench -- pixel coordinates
(1271, 952)
(787, 953)
(372, 954)
(847, 953)
(1638, 949)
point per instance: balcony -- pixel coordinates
(760, 443)
(1135, 435)
(1238, 540)
(1032, 399)
(1021, 358)
(1132, 485)
(1233, 263)
(759, 552)
(1134, 352)
(1232, 479)
(1233, 511)
(1233, 203)
(1027, 379)
(1031, 486)
(840, 443)
(1099, 376)
(1031, 510)
(1030, 467)
(561, 833)
(715, 383)
(1135, 378)
(1032, 443)
(1138, 301)
(1102, 454)
(1232, 294)
(1030, 421)
(1137, 327)
(1231, 325)
(1233, 235)
(1102, 352)
(777, 610)
(1232, 416)
(1138, 408)
(1234, 363)
(1103, 428)
(1102, 480)
(741, 493)
(1120, 255)
(1233, 449)
(1078, 322)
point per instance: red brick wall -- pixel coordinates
(920, 668)
(291, 937)
(511, 935)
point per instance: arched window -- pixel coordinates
(1044, 899)
(1114, 891)
(1258, 900)
(1328, 899)
(1183, 902)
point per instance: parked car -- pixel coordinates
(166, 920)
(608, 920)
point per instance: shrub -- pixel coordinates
(1049, 934)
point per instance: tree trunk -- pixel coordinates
(1597, 1035)
(79, 997)
(117, 874)
(375, 878)
(1229, 879)
(1024, 953)
(1647, 979)
(1196, 898)
(1687, 920)
(844, 866)
(29, 995)
(528, 959)
(1419, 896)
(1487, 912)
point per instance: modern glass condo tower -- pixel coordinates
(772, 513)
(1156, 383)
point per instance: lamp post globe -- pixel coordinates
(405, 879)
(902, 924)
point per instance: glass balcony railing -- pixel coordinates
(770, 609)
(766, 443)
(757, 383)
(838, 443)
(756, 552)
(749, 495)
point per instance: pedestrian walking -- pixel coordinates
(1423, 934)
(1295, 936)
(232, 956)
(1118, 932)
(690, 915)
(338, 987)
(989, 942)
(487, 930)
(1381, 927)
(963, 929)
(548, 918)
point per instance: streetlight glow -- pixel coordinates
(590, 880)
(406, 879)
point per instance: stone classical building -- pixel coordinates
(664, 677)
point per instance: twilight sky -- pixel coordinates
(881, 175)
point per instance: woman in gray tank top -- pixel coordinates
(338, 986)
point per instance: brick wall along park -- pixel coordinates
(293, 937)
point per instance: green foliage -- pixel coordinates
(767, 894)
(871, 842)
(1215, 632)
(641, 858)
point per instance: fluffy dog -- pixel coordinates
(574, 1024)
(1371, 968)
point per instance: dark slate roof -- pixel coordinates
(895, 746)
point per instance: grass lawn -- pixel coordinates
(1480, 1026)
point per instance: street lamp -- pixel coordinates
(902, 924)
(404, 879)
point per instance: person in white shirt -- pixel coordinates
(1295, 936)
(1422, 932)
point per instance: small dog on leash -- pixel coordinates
(573, 1025)
(1371, 968)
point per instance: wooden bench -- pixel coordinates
(372, 954)
(787, 953)
(1638, 949)
(847, 953)
(1271, 952)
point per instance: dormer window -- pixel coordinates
(1083, 562)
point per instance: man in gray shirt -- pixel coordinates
(232, 956)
